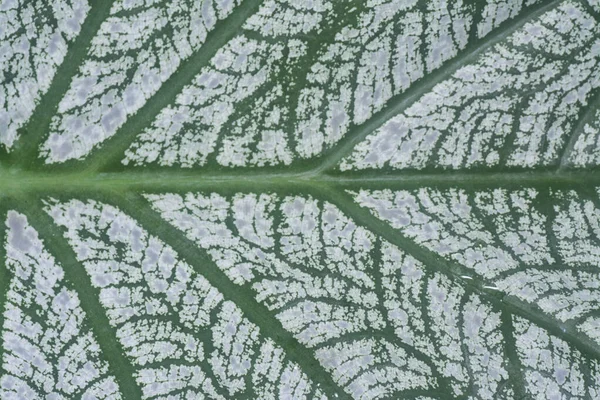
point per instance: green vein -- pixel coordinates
(514, 365)
(139, 180)
(4, 285)
(590, 9)
(243, 297)
(34, 132)
(587, 117)
(458, 273)
(554, 327)
(401, 102)
(112, 149)
(414, 179)
(105, 335)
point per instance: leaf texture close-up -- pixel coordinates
(300, 199)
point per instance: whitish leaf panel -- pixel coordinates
(49, 351)
(296, 79)
(586, 145)
(542, 248)
(34, 39)
(139, 46)
(183, 338)
(517, 105)
(297, 90)
(552, 369)
(344, 292)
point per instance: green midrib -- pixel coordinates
(20, 181)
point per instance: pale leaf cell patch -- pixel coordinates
(547, 257)
(34, 39)
(182, 337)
(237, 109)
(324, 68)
(393, 45)
(514, 106)
(374, 317)
(49, 351)
(553, 370)
(138, 47)
(586, 148)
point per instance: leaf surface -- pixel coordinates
(280, 199)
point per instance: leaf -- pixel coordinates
(35, 38)
(497, 233)
(514, 106)
(282, 199)
(49, 350)
(180, 334)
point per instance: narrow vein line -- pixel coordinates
(514, 365)
(118, 364)
(591, 10)
(112, 149)
(402, 101)
(565, 332)
(35, 131)
(138, 208)
(586, 117)
(457, 272)
(5, 278)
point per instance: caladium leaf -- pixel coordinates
(311, 199)
(49, 350)
(177, 329)
(515, 106)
